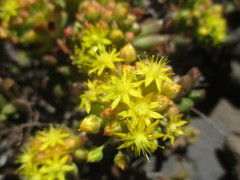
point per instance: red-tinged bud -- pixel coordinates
(71, 143)
(170, 89)
(129, 36)
(24, 14)
(68, 32)
(120, 160)
(110, 113)
(111, 5)
(172, 110)
(128, 53)
(103, 24)
(112, 127)
(91, 124)
(163, 102)
(90, 10)
(107, 16)
(95, 155)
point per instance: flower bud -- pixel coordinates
(29, 37)
(120, 160)
(172, 110)
(170, 89)
(120, 12)
(128, 53)
(91, 124)
(203, 31)
(163, 102)
(116, 35)
(80, 154)
(71, 143)
(95, 155)
(107, 16)
(90, 10)
(129, 36)
(108, 112)
(112, 127)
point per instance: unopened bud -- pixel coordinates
(172, 110)
(71, 143)
(90, 10)
(112, 127)
(91, 124)
(170, 89)
(116, 35)
(163, 102)
(120, 12)
(108, 112)
(80, 154)
(203, 31)
(107, 16)
(95, 155)
(120, 160)
(128, 53)
(129, 36)
(29, 37)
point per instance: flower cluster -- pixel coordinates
(205, 19)
(111, 19)
(97, 25)
(131, 102)
(47, 155)
(31, 21)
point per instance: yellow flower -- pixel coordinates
(142, 108)
(8, 9)
(26, 158)
(104, 59)
(81, 57)
(56, 168)
(51, 137)
(95, 36)
(173, 127)
(91, 95)
(141, 139)
(120, 89)
(154, 70)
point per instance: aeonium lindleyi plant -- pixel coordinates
(131, 102)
